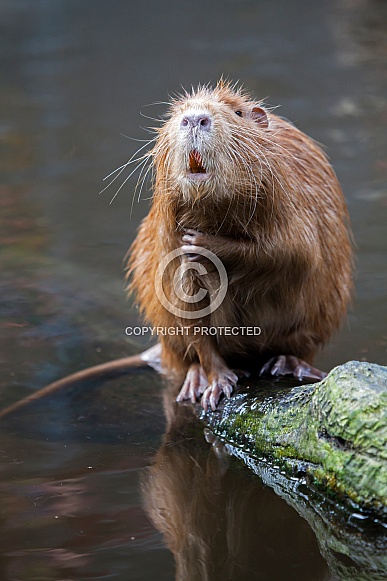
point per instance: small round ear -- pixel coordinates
(259, 116)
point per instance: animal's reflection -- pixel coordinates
(217, 519)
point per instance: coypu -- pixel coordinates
(235, 179)
(236, 183)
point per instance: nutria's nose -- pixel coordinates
(201, 120)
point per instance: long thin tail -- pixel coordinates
(150, 358)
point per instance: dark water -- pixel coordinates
(76, 76)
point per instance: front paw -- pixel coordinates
(198, 246)
(193, 244)
(194, 237)
(192, 253)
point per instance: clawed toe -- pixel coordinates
(194, 385)
(290, 365)
(222, 384)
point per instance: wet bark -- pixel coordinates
(331, 434)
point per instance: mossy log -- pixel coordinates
(333, 433)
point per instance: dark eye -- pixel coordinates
(238, 113)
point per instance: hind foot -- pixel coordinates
(196, 384)
(224, 382)
(290, 365)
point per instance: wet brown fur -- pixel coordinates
(273, 212)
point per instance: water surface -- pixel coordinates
(78, 78)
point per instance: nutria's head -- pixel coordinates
(212, 141)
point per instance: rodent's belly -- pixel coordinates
(245, 322)
(238, 329)
(252, 327)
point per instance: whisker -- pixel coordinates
(158, 103)
(140, 140)
(136, 186)
(132, 159)
(122, 167)
(158, 120)
(127, 178)
(149, 168)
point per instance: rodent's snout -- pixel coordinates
(201, 121)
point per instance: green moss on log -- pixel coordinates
(335, 431)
